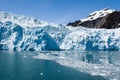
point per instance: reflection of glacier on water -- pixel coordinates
(96, 63)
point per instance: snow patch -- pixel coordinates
(98, 14)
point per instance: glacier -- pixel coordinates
(19, 33)
(17, 38)
(92, 39)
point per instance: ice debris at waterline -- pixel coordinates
(101, 63)
(25, 33)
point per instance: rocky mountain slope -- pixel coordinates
(106, 18)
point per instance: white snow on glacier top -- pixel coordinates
(23, 20)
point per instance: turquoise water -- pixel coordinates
(53, 65)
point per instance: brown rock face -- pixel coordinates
(110, 21)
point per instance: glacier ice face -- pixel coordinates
(15, 37)
(92, 39)
(26, 33)
(50, 35)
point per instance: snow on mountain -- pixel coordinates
(98, 14)
(105, 18)
(25, 33)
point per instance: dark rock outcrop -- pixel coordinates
(110, 21)
(74, 24)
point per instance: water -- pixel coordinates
(64, 65)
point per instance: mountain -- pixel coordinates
(105, 18)
(22, 33)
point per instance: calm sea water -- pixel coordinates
(57, 65)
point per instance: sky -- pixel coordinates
(57, 11)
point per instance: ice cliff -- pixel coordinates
(18, 32)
